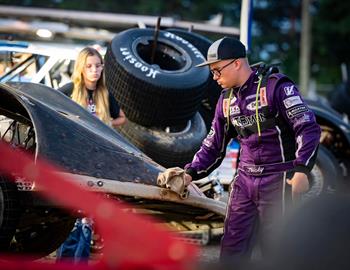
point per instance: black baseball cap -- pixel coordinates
(225, 48)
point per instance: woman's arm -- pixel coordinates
(120, 120)
(117, 114)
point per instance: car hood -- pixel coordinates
(71, 138)
(88, 151)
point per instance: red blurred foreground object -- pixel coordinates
(131, 242)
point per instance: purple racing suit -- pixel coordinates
(277, 134)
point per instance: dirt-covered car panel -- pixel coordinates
(50, 126)
(73, 139)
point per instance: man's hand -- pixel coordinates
(188, 179)
(176, 180)
(299, 183)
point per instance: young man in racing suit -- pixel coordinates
(277, 132)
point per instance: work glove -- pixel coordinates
(174, 179)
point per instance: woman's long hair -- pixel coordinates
(100, 94)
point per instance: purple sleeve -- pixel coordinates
(302, 121)
(213, 147)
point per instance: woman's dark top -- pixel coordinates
(114, 108)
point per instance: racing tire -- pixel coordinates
(42, 239)
(167, 92)
(9, 212)
(213, 90)
(167, 146)
(202, 43)
(326, 176)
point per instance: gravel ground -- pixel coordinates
(208, 254)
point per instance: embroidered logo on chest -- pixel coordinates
(252, 106)
(235, 110)
(245, 121)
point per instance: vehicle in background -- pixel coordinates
(228, 168)
(41, 122)
(49, 64)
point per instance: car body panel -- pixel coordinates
(327, 113)
(79, 143)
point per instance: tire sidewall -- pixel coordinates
(169, 149)
(9, 211)
(325, 176)
(124, 48)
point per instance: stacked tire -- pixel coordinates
(160, 90)
(213, 90)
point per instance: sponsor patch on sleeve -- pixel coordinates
(302, 119)
(208, 141)
(211, 133)
(298, 110)
(292, 101)
(289, 90)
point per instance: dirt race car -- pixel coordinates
(48, 125)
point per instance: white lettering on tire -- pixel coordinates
(150, 72)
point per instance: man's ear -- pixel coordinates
(238, 63)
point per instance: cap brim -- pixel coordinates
(208, 63)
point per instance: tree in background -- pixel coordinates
(276, 36)
(275, 33)
(331, 39)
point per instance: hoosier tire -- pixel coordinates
(326, 175)
(213, 90)
(42, 239)
(9, 212)
(165, 92)
(167, 146)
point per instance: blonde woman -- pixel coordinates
(89, 91)
(88, 88)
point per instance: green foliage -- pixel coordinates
(275, 33)
(331, 38)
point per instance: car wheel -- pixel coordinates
(40, 240)
(166, 91)
(213, 90)
(326, 175)
(9, 212)
(168, 146)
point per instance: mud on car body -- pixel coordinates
(48, 125)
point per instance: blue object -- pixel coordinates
(77, 246)
(20, 44)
